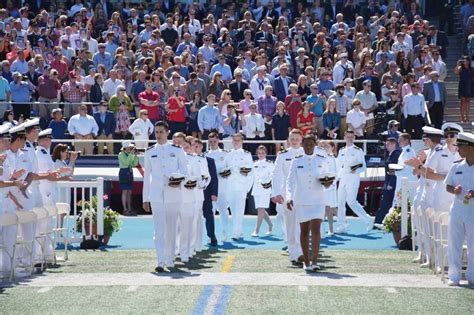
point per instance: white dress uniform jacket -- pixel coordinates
(31, 153)
(234, 160)
(444, 199)
(406, 154)
(433, 161)
(263, 171)
(7, 235)
(141, 130)
(45, 164)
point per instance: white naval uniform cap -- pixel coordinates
(395, 167)
(46, 133)
(17, 130)
(4, 131)
(31, 123)
(465, 138)
(451, 128)
(430, 131)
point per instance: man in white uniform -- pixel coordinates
(287, 218)
(221, 204)
(460, 182)
(240, 163)
(161, 195)
(350, 164)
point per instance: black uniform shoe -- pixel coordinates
(213, 243)
(235, 239)
(159, 269)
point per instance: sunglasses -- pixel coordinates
(451, 135)
(145, 114)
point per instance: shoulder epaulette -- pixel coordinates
(44, 151)
(284, 151)
(176, 146)
(357, 147)
(24, 150)
(298, 156)
(458, 161)
(246, 151)
(201, 155)
(190, 154)
(320, 155)
(269, 161)
(150, 147)
(408, 150)
(226, 151)
(28, 145)
(438, 149)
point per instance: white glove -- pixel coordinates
(214, 207)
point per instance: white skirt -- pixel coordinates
(262, 201)
(331, 196)
(305, 213)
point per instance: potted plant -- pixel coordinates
(393, 223)
(111, 219)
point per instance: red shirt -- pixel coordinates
(153, 113)
(306, 129)
(293, 107)
(180, 114)
(61, 67)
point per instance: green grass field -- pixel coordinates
(26, 297)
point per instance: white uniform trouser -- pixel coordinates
(292, 235)
(236, 200)
(461, 226)
(416, 221)
(280, 217)
(197, 226)
(48, 245)
(165, 219)
(7, 237)
(185, 217)
(347, 192)
(26, 231)
(222, 207)
(425, 203)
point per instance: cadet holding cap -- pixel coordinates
(460, 183)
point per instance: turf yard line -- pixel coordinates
(221, 306)
(213, 300)
(228, 263)
(391, 290)
(236, 278)
(44, 290)
(201, 303)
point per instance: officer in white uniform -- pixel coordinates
(32, 132)
(221, 204)
(205, 179)
(331, 191)
(432, 138)
(350, 164)
(261, 189)
(7, 203)
(407, 153)
(460, 182)
(239, 162)
(288, 218)
(161, 161)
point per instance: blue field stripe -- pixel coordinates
(223, 301)
(202, 301)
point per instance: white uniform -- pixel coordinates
(7, 235)
(205, 179)
(263, 171)
(279, 181)
(36, 195)
(160, 162)
(221, 204)
(461, 222)
(443, 198)
(141, 130)
(406, 154)
(238, 186)
(331, 191)
(349, 184)
(305, 189)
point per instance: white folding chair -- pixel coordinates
(421, 231)
(61, 233)
(429, 213)
(40, 236)
(25, 218)
(9, 221)
(52, 214)
(443, 241)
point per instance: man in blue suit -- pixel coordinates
(210, 195)
(107, 123)
(390, 183)
(282, 82)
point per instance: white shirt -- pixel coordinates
(350, 156)
(414, 105)
(339, 72)
(45, 165)
(218, 156)
(110, 87)
(461, 174)
(254, 126)
(234, 160)
(257, 88)
(263, 174)
(141, 130)
(82, 125)
(303, 185)
(282, 169)
(355, 118)
(93, 45)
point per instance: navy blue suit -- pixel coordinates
(211, 190)
(108, 126)
(279, 89)
(389, 187)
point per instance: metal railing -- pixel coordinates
(69, 192)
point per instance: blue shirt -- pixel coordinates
(224, 69)
(20, 93)
(281, 124)
(209, 118)
(105, 59)
(231, 128)
(110, 47)
(180, 49)
(4, 88)
(58, 129)
(325, 85)
(318, 109)
(137, 87)
(331, 120)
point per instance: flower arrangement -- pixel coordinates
(112, 222)
(393, 219)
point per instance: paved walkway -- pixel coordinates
(235, 278)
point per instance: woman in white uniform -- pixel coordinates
(261, 190)
(305, 196)
(330, 192)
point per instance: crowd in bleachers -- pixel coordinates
(259, 67)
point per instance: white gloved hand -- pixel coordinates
(214, 207)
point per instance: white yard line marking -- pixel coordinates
(236, 278)
(132, 288)
(391, 290)
(45, 289)
(303, 288)
(213, 299)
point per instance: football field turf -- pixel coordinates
(242, 281)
